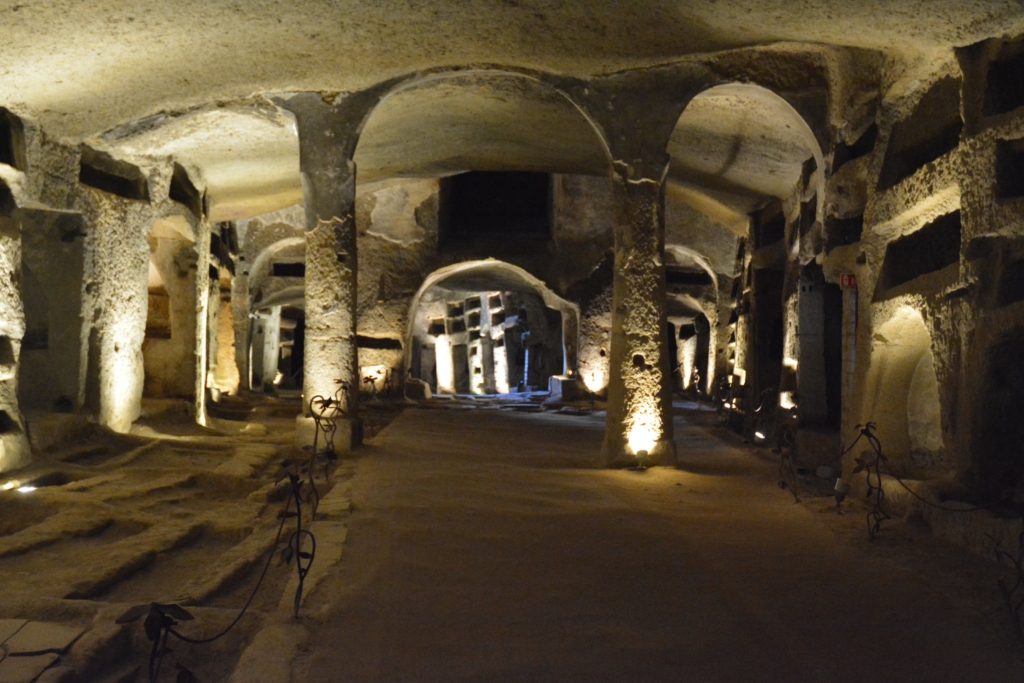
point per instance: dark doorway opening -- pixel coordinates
(292, 353)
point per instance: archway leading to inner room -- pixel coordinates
(692, 291)
(277, 341)
(743, 156)
(489, 327)
(275, 305)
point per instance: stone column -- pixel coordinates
(202, 314)
(570, 342)
(14, 446)
(271, 348)
(118, 279)
(640, 386)
(326, 143)
(242, 322)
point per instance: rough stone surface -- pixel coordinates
(8, 627)
(25, 669)
(120, 261)
(39, 637)
(640, 390)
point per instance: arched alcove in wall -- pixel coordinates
(278, 266)
(275, 283)
(489, 327)
(169, 346)
(902, 393)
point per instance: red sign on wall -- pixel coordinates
(848, 281)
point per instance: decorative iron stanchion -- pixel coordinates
(293, 549)
(871, 465)
(326, 412)
(161, 619)
(1013, 596)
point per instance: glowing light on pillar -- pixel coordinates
(445, 366)
(121, 379)
(596, 379)
(644, 429)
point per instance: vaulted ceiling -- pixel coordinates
(187, 78)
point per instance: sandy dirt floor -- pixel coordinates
(485, 545)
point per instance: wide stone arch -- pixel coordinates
(385, 95)
(682, 256)
(721, 141)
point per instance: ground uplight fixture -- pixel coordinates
(641, 460)
(26, 489)
(842, 489)
(759, 436)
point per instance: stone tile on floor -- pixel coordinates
(24, 669)
(8, 627)
(38, 637)
(335, 505)
(57, 674)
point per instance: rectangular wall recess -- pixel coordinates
(1010, 169)
(923, 251)
(930, 132)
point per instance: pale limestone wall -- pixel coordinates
(397, 240)
(226, 377)
(14, 447)
(52, 286)
(117, 274)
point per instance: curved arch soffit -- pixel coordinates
(260, 263)
(485, 267)
(784, 115)
(294, 297)
(682, 254)
(419, 79)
